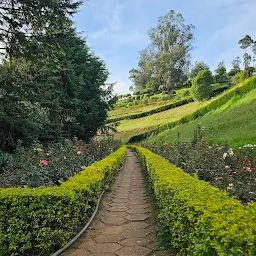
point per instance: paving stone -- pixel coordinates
(118, 209)
(108, 214)
(104, 247)
(79, 252)
(135, 241)
(138, 210)
(152, 245)
(132, 233)
(114, 221)
(111, 230)
(136, 225)
(151, 229)
(162, 253)
(89, 243)
(134, 251)
(110, 238)
(137, 217)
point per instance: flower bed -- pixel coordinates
(41, 220)
(200, 219)
(40, 165)
(233, 171)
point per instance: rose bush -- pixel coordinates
(49, 166)
(221, 166)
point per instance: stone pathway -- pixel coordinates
(123, 225)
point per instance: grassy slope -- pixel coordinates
(125, 111)
(129, 128)
(234, 122)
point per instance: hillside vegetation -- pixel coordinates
(234, 122)
(129, 128)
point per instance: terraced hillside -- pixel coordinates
(129, 128)
(234, 122)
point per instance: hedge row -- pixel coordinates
(240, 89)
(41, 220)
(200, 219)
(153, 111)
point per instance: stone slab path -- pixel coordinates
(123, 225)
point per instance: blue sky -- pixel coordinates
(116, 30)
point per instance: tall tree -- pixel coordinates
(220, 73)
(166, 60)
(246, 43)
(171, 40)
(22, 21)
(235, 67)
(53, 85)
(236, 63)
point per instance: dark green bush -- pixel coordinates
(201, 85)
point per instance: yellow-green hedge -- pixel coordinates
(41, 220)
(201, 219)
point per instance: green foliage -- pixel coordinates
(218, 88)
(218, 125)
(201, 85)
(153, 111)
(53, 88)
(39, 221)
(201, 219)
(240, 89)
(218, 165)
(64, 159)
(221, 73)
(239, 77)
(199, 66)
(165, 61)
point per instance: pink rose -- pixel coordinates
(43, 163)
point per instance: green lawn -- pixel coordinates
(234, 122)
(129, 128)
(125, 111)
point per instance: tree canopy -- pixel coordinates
(167, 58)
(51, 84)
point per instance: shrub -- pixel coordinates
(64, 159)
(129, 99)
(201, 219)
(41, 220)
(219, 165)
(239, 77)
(145, 101)
(201, 85)
(165, 97)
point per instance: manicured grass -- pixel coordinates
(125, 111)
(234, 122)
(129, 128)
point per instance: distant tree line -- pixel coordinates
(51, 84)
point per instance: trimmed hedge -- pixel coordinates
(200, 219)
(41, 220)
(240, 89)
(153, 111)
